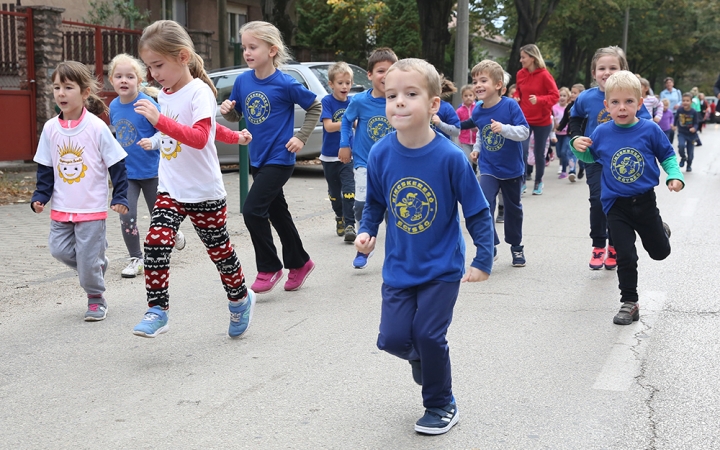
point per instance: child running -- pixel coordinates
(667, 124)
(190, 183)
(628, 150)
(576, 168)
(424, 247)
(126, 74)
(686, 124)
(499, 152)
(368, 109)
(563, 142)
(81, 148)
(590, 106)
(266, 97)
(339, 175)
(464, 112)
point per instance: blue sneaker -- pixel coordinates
(155, 322)
(538, 189)
(518, 255)
(241, 315)
(361, 260)
(438, 420)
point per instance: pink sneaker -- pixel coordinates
(297, 277)
(266, 281)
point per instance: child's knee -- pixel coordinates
(660, 254)
(159, 237)
(394, 343)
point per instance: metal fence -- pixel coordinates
(10, 48)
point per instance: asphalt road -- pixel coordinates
(537, 361)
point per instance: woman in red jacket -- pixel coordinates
(537, 92)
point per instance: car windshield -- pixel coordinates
(359, 76)
(224, 85)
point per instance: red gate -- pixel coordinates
(17, 85)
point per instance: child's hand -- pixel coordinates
(38, 207)
(345, 155)
(120, 209)
(474, 275)
(495, 127)
(145, 143)
(146, 109)
(582, 143)
(553, 140)
(474, 156)
(244, 137)
(364, 243)
(436, 119)
(533, 99)
(227, 106)
(692, 129)
(675, 185)
(294, 145)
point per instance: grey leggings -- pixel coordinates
(128, 222)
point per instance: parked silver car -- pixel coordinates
(312, 75)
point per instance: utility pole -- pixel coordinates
(625, 29)
(462, 38)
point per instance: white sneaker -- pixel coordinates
(133, 269)
(560, 169)
(179, 240)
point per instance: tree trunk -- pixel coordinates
(533, 16)
(275, 12)
(434, 19)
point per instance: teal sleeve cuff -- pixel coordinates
(672, 169)
(585, 156)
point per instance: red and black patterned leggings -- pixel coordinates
(209, 220)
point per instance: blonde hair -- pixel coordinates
(140, 70)
(613, 50)
(623, 80)
(533, 51)
(79, 73)
(269, 34)
(565, 90)
(169, 38)
(665, 102)
(491, 69)
(339, 68)
(433, 81)
(579, 86)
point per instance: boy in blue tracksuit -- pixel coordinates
(502, 128)
(419, 177)
(339, 175)
(686, 122)
(628, 150)
(368, 109)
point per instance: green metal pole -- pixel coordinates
(244, 169)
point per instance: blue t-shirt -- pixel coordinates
(333, 109)
(500, 157)
(629, 157)
(589, 105)
(130, 127)
(268, 106)
(447, 114)
(372, 125)
(421, 189)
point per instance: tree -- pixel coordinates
(532, 18)
(116, 13)
(434, 18)
(275, 12)
(398, 27)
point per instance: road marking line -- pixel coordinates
(689, 207)
(623, 363)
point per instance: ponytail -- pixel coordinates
(197, 70)
(96, 105)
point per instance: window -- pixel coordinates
(297, 76)
(224, 85)
(235, 21)
(175, 10)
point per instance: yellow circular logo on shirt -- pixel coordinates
(627, 165)
(492, 142)
(258, 107)
(413, 204)
(378, 127)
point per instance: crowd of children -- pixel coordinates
(375, 153)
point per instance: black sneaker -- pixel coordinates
(629, 313)
(416, 371)
(518, 256)
(500, 217)
(688, 169)
(666, 227)
(339, 226)
(438, 420)
(581, 173)
(350, 234)
(682, 162)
